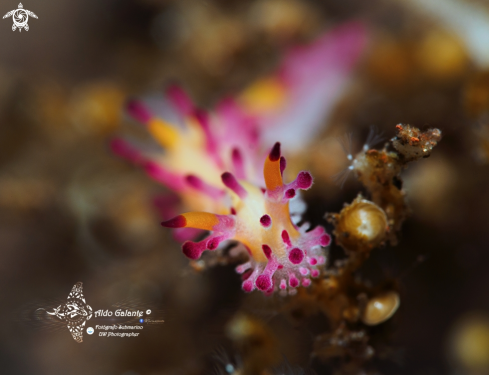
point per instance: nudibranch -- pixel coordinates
(282, 255)
(197, 146)
(254, 208)
(196, 149)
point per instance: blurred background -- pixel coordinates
(71, 211)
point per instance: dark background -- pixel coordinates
(71, 211)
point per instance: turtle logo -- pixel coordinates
(20, 17)
(75, 312)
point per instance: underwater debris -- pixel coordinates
(345, 343)
(282, 255)
(379, 171)
(351, 304)
(412, 144)
(360, 226)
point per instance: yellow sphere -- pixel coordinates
(469, 342)
(361, 226)
(380, 308)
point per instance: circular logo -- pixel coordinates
(148, 312)
(90, 330)
(20, 18)
(141, 320)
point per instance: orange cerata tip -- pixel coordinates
(271, 170)
(200, 220)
